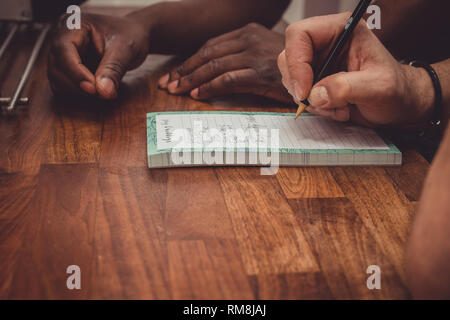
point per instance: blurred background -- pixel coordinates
(298, 9)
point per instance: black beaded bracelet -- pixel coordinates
(437, 106)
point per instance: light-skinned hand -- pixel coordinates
(368, 85)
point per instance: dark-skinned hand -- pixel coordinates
(242, 61)
(94, 59)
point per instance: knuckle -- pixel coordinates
(214, 65)
(229, 80)
(115, 68)
(290, 29)
(344, 88)
(129, 44)
(208, 43)
(186, 81)
(252, 26)
(268, 73)
(173, 75)
(294, 28)
(180, 70)
(252, 39)
(204, 52)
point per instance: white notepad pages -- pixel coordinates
(186, 139)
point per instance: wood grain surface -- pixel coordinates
(75, 190)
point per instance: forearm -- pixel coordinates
(181, 27)
(443, 71)
(428, 257)
(415, 29)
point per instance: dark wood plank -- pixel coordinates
(69, 144)
(195, 206)
(345, 249)
(293, 286)
(130, 236)
(269, 239)
(383, 208)
(58, 232)
(207, 269)
(16, 193)
(97, 223)
(411, 175)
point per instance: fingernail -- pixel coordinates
(173, 86)
(298, 92)
(107, 86)
(194, 93)
(87, 87)
(163, 81)
(319, 97)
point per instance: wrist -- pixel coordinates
(149, 18)
(420, 96)
(146, 17)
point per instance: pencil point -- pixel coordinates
(301, 109)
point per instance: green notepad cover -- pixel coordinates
(152, 144)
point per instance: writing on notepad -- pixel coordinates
(187, 130)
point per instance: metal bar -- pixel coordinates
(8, 39)
(34, 55)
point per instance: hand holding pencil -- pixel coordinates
(334, 53)
(365, 84)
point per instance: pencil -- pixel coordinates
(301, 108)
(337, 47)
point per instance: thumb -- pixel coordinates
(113, 66)
(341, 89)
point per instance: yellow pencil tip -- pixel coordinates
(301, 109)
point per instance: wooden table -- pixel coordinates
(75, 190)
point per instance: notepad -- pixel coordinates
(186, 139)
